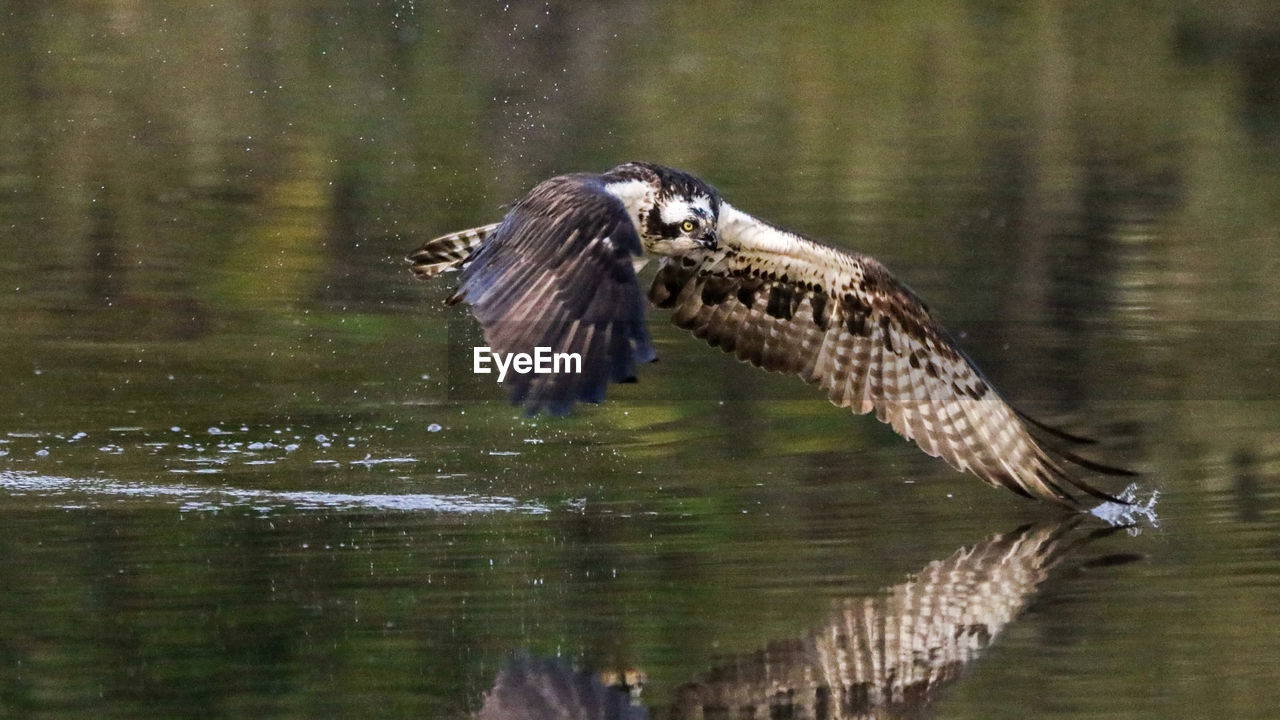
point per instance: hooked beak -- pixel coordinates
(708, 239)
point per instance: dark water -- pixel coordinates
(242, 472)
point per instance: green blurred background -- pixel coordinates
(206, 316)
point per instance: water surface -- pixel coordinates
(243, 474)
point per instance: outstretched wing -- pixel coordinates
(842, 322)
(557, 274)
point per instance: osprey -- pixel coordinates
(558, 273)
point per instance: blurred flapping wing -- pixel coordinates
(557, 274)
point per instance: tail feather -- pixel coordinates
(447, 252)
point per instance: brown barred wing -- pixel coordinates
(871, 344)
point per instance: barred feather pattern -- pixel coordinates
(888, 655)
(840, 321)
(558, 272)
(448, 252)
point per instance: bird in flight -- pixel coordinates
(559, 272)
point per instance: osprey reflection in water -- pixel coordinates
(559, 272)
(885, 655)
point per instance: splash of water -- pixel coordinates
(1132, 511)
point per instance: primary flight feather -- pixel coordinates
(559, 272)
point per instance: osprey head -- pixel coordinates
(674, 212)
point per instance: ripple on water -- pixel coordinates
(75, 493)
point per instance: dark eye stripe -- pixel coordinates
(657, 228)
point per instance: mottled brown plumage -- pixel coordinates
(771, 297)
(840, 321)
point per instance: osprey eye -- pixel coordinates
(688, 226)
